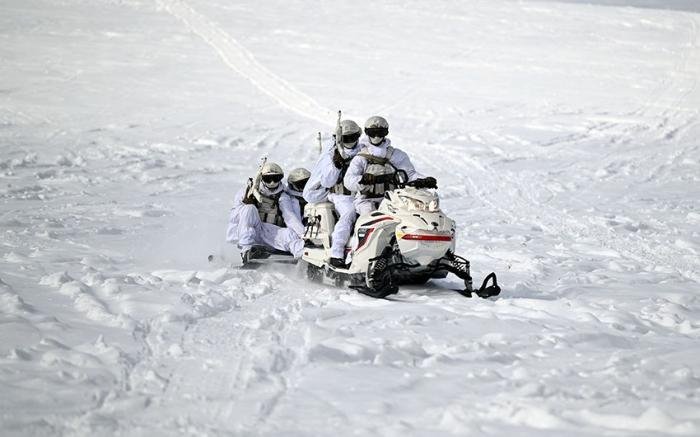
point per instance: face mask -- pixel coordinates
(271, 185)
(298, 185)
(376, 140)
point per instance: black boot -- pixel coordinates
(255, 252)
(245, 257)
(338, 263)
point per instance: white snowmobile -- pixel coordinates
(408, 240)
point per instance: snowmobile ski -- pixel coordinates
(485, 291)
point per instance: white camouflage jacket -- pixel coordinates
(358, 165)
(325, 175)
(291, 216)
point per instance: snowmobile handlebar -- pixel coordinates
(401, 178)
(401, 181)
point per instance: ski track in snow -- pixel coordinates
(105, 331)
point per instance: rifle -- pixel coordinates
(338, 134)
(254, 183)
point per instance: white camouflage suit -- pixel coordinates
(247, 229)
(291, 202)
(358, 166)
(324, 176)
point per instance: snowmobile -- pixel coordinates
(407, 240)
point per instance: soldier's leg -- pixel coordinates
(282, 239)
(249, 227)
(364, 205)
(343, 228)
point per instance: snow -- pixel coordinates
(564, 137)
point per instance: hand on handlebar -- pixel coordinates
(429, 182)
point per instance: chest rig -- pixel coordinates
(269, 208)
(378, 166)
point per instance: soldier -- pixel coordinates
(326, 184)
(260, 213)
(371, 172)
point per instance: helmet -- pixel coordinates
(298, 178)
(271, 175)
(350, 132)
(376, 128)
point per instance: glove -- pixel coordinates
(338, 160)
(250, 200)
(429, 182)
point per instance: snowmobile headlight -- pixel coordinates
(413, 204)
(434, 205)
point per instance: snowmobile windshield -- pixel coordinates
(374, 132)
(270, 178)
(351, 139)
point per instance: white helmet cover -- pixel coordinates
(297, 178)
(348, 127)
(350, 133)
(298, 174)
(376, 121)
(376, 128)
(271, 169)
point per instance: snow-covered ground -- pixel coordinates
(565, 137)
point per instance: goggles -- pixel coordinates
(374, 132)
(270, 178)
(350, 138)
(299, 185)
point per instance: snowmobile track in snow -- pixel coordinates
(253, 354)
(242, 61)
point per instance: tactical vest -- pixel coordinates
(378, 166)
(268, 208)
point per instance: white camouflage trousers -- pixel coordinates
(343, 228)
(364, 205)
(246, 227)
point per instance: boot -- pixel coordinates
(338, 263)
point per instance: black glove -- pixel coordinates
(250, 200)
(338, 160)
(429, 182)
